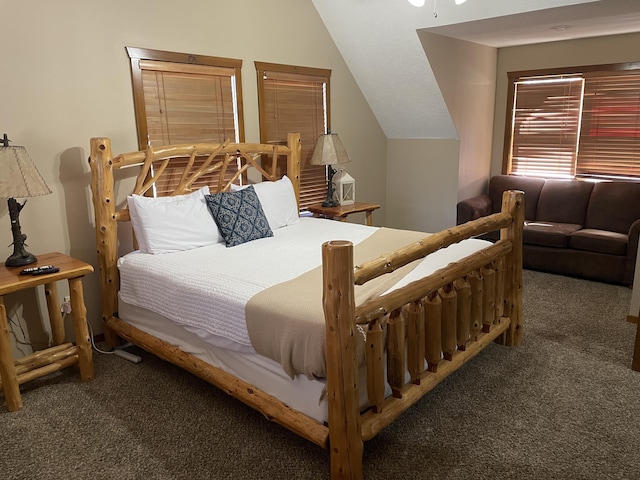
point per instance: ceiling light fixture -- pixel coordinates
(420, 3)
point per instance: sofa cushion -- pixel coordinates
(548, 234)
(602, 241)
(531, 187)
(563, 201)
(613, 206)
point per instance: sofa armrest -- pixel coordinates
(473, 208)
(632, 251)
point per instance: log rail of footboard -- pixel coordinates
(419, 334)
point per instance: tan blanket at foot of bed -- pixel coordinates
(286, 322)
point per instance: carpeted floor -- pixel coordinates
(564, 405)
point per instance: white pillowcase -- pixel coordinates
(278, 201)
(172, 224)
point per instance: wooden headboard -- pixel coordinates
(174, 170)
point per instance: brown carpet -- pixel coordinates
(564, 405)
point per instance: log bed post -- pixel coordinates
(513, 203)
(338, 298)
(101, 163)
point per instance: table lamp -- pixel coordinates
(329, 151)
(18, 178)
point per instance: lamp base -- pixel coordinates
(20, 259)
(20, 256)
(330, 203)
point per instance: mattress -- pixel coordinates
(300, 393)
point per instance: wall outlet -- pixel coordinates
(66, 305)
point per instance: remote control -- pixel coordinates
(45, 270)
(30, 271)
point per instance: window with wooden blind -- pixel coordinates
(546, 120)
(579, 123)
(183, 98)
(610, 134)
(296, 99)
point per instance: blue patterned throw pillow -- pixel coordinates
(239, 216)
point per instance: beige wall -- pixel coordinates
(422, 181)
(589, 51)
(427, 177)
(65, 78)
(466, 76)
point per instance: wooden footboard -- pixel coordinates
(433, 325)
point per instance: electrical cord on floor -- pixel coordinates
(118, 351)
(93, 342)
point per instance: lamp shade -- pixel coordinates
(19, 177)
(329, 151)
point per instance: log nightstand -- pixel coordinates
(13, 373)
(341, 212)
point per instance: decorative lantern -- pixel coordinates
(345, 187)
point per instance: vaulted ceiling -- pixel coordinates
(379, 42)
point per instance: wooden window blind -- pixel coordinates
(188, 103)
(183, 98)
(610, 134)
(545, 126)
(296, 99)
(579, 121)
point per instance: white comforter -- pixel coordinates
(206, 289)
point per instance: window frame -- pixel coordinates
(586, 71)
(136, 54)
(261, 67)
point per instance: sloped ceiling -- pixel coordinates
(379, 42)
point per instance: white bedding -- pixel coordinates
(300, 393)
(205, 290)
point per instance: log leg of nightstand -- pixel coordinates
(55, 316)
(369, 217)
(79, 312)
(10, 385)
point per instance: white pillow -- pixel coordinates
(278, 201)
(172, 224)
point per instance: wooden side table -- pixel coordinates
(13, 373)
(341, 212)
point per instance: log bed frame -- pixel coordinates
(444, 319)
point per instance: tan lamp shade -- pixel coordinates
(329, 151)
(19, 177)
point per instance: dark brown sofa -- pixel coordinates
(577, 228)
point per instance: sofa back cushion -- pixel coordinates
(564, 201)
(613, 206)
(531, 187)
